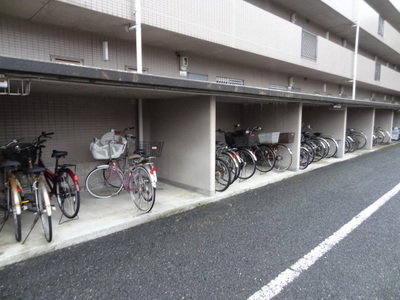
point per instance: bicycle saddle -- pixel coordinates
(35, 170)
(141, 152)
(58, 154)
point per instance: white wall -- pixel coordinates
(187, 127)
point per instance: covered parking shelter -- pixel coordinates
(79, 103)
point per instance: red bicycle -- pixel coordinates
(63, 182)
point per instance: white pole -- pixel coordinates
(138, 15)
(139, 65)
(356, 51)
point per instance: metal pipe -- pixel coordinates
(139, 64)
(356, 52)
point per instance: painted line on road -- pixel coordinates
(274, 287)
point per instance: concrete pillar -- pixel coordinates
(187, 126)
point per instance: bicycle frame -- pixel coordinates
(122, 175)
(51, 178)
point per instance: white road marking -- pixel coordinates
(279, 283)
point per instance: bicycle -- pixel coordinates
(222, 174)
(282, 154)
(25, 154)
(241, 144)
(63, 182)
(381, 136)
(358, 137)
(11, 191)
(229, 156)
(140, 178)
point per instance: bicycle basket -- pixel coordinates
(150, 148)
(246, 140)
(22, 156)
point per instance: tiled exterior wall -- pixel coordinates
(118, 8)
(75, 121)
(236, 24)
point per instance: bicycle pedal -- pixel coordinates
(24, 207)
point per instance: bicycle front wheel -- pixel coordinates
(222, 175)
(14, 202)
(104, 182)
(141, 189)
(68, 197)
(249, 164)
(44, 210)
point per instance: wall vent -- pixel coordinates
(229, 81)
(66, 60)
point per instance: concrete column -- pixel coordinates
(362, 119)
(187, 126)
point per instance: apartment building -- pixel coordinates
(180, 69)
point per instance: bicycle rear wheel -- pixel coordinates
(265, 158)
(283, 157)
(68, 197)
(104, 182)
(222, 175)
(141, 189)
(44, 210)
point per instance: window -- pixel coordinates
(309, 45)
(381, 26)
(195, 76)
(377, 71)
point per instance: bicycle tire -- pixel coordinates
(380, 135)
(233, 164)
(265, 158)
(141, 185)
(319, 149)
(103, 182)
(325, 145)
(222, 175)
(333, 146)
(283, 157)
(361, 139)
(43, 207)
(310, 151)
(68, 197)
(387, 137)
(14, 209)
(304, 159)
(249, 164)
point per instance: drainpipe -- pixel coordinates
(356, 51)
(138, 18)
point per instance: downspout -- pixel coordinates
(356, 52)
(139, 66)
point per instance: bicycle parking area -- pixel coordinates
(100, 217)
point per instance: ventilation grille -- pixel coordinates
(230, 81)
